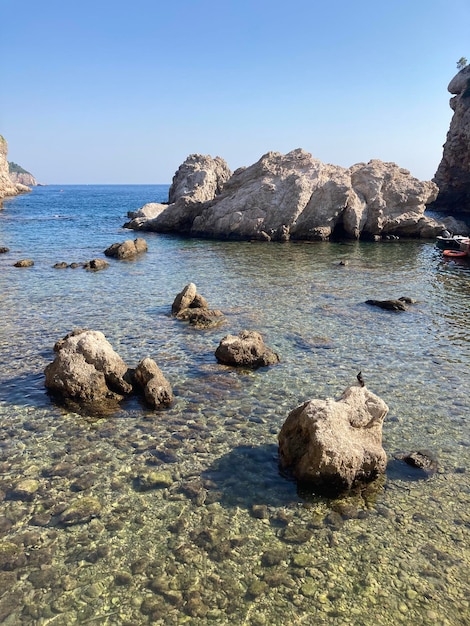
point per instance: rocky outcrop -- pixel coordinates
(20, 175)
(247, 349)
(7, 186)
(333, 445)
(453, 173)
(88, 372)
(295, 196)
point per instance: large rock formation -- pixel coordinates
(20, 175)
(298, 197)
(453, 173)
(334, 444)
(7, 186)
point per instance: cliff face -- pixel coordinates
(453, 174)
(21, 176)
(7, 186)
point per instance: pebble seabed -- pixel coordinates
(181, 516)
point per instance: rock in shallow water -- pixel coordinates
(331, 444)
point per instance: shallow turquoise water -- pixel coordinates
(227, 540)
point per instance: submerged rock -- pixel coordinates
(24, 263)
(423, 460)
(388, 305)
(247, 349)
(80, 511)
(331, 444)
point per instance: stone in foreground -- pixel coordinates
(334, 444)
(247, 349)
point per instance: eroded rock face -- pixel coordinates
(453, 173)
(334, 444)
(7, 186)
(295, 196)
(87, 369)
(200, 177)
(247, 349)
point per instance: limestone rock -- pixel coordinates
(453, 173)
(7, 186)
(87, 369)
(295, 196)
(146, 213)
(150, 379)
(334, 444)
(247, 349)
(200, 177)
(127, 249)
(19, 175)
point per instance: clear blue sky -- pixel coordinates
(101, 91)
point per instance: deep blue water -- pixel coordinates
(404, 559)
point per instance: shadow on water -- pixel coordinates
(249, 475)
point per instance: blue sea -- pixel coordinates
(224, 538)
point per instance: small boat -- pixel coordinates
(449, 242)
(455, 254)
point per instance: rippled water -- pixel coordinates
(223, 538)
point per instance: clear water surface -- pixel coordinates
(225, 539)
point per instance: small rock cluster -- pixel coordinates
(193, 308)
(88, 371)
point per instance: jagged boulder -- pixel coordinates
(333, 444)
(295, 196)
(453, 174)
(127, 249)
(200, 177)
(247, 349)
(87, 369)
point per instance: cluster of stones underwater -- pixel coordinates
(119, 522)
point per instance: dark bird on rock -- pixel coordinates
(360, 379)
